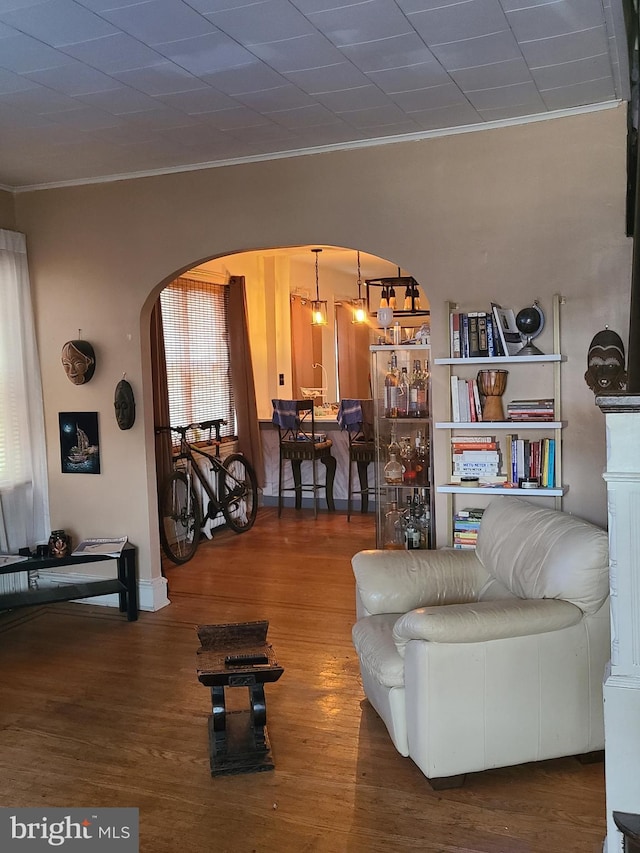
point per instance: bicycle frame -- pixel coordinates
(187, 454)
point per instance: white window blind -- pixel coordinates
(196, 342)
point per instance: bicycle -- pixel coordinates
(235, 495)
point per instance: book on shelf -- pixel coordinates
(470, 512)
(473, 439)
(507, 329)
(106, 547)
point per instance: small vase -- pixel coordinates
(59, 544)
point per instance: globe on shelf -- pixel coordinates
(530, 322)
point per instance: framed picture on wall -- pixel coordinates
(79, 443)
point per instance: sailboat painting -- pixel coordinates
(79, 445)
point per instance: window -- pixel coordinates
(196, 343)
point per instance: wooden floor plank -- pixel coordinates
(96, 711)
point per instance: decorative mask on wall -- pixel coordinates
(125, 405)
(605, 363)
(79, 361)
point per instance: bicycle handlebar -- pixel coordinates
(183, 430)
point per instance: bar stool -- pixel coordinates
(299, 442)
(356, 416)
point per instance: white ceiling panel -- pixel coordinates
(299, 53)
(329, 78)
(360, 97)
(437, 96)
(147, 85)
(206, 54)
(395, 52)
(270, 20)
(109, 54)
(449, 22)
(362, 22)
(484, 50)
(57, 22)
(553, 19)
(159, 21)
(510, 73)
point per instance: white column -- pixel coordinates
(622, 679)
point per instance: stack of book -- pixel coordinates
(531, 410)
(525, 458)
(465, 401)
(476, 456)
(466, 524)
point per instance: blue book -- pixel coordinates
(551, 478)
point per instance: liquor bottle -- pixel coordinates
(411, 527)
(391, 389)
(424, 519)
(407, 457)
(393, 470)
(393, 530)
(421, 463)
(403, 394)
(419, 403)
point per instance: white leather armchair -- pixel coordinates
(488, 658)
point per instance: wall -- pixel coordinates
(507, 214)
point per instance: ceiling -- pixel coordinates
(99, 89)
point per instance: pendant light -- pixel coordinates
(318, 306)
(359, 307)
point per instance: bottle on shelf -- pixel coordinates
(411, 527)
(393, 469)
(421, 463)
(408, 459)
(393, 533)
(403, 394)
(418, 391)
(391, 389)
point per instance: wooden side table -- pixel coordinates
(237, 654)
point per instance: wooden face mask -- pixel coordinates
(605, 363)
(125, 405)
(79, 361)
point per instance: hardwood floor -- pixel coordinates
(95, 711)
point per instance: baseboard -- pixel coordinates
(152, 592)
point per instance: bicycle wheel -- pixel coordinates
(239, 493)
(180, 519)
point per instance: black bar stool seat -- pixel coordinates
(356, 416)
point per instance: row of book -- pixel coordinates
(524, 459)
(465, 400)
(466, 526)
(484, 334)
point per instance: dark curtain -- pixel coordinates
(249, 441)
(160, 396)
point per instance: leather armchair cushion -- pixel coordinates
(484, 620)
(373, 641)
(541, 553)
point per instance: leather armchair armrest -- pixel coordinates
(397, 581)
(485, 620)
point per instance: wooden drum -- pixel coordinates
(492, 385)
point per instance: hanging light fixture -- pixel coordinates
(359, 306)
(318, 306)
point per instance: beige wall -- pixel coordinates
(508, 215)
(7, 217)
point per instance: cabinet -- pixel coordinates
(531, 377)
(403, 435)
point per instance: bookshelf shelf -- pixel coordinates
(454, 489)
(504, 359)
(513, 425)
